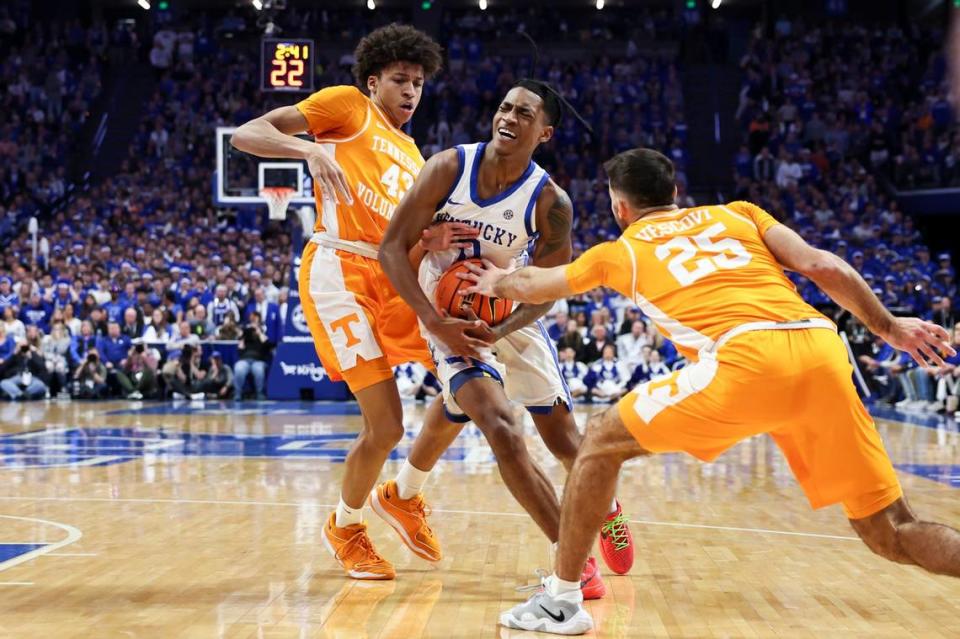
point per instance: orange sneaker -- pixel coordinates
(408, 517)
(354, 551)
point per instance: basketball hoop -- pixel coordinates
(278, 199)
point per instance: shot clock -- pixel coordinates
(286, 65)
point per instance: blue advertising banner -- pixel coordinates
(296, 372)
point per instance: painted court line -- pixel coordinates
(215, 502)
(16, 583)
(73, 535)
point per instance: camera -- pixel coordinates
(92, 358)
(138, 349)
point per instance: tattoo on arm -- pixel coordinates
(555, 237)
(553, 249)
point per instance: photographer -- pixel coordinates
(82, 343)
(25, 374)
(218, 383)
(186, 379)
(138, 375)
(90, 378)
(253, 356)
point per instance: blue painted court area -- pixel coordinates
(11, 551)
(927, 420)
(241, 408)
(948, 474)
(109, 446)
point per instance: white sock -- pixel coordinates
(410, 480)
(556, 586)
(613, 506)
(347, 516)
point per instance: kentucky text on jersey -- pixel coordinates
(488, 232)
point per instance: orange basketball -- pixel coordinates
(491, 310)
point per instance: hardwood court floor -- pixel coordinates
(144, 520)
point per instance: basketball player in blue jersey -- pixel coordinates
(521, 214)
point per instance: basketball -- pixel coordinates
(491, 310)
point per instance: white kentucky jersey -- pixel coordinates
(507, 221)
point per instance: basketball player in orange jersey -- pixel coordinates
(362, 163)
(497, 187)
(712, 280)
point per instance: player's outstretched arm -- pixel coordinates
(554, 220)
(412, 216)
(530, 284)
(273, 135)
(923, 341)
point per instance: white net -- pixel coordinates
(278, 199)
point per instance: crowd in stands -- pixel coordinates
(142, 269)
(832, 115)
(50, 74)
(846, 90)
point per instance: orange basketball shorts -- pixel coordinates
(361, 327)
(795, 385)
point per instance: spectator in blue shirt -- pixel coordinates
(7, 296)
(7, 344)
(36, 313)
(82, 343)
(114, 307)
(113, 347)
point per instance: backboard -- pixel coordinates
(239, 177)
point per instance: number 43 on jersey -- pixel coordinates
(397, 181)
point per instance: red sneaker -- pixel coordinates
(616, 542)
(591, 585)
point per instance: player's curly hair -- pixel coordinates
(395, 43)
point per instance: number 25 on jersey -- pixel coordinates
(692, 258)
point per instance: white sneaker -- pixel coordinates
(135, 395)
(197, 396)
(903, 404)
(560, 615)
(177, 395)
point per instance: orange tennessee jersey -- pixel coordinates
(697, 273)
(379, 160)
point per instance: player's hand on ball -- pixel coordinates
(457, 335)
(329, 175)
(484, 279)
(925, 342)
(440, 237)
(484, 331)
